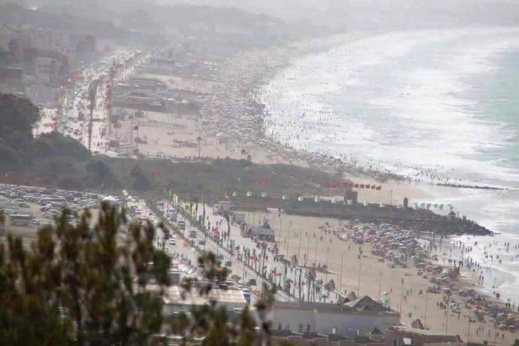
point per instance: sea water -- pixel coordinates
(436, 106)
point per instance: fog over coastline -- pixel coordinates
(336, 15)
(379, 14)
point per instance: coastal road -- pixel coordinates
(237, 267)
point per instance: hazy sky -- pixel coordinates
(359, 14)
(413, 12)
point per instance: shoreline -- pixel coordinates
(264, 66)
(233, 111)
(395, 183)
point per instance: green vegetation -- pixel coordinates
(54, 160)
(212, 179)
(78, 286)
(141, 182)
(18, 117)
(54, 144)
(82, 285)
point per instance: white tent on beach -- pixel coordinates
(110, 199)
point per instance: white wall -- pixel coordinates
(346, 323)
(323, 322)
(293, 318)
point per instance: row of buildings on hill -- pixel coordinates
(36, 62)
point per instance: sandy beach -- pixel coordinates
(230, 125)
(405, 291)
(230, 121)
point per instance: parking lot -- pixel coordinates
(26, 208)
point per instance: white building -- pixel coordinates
(358, 317)
(176, 299)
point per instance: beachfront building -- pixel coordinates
(407, 336)
(176, 300)
(355, 318)
(316, 339)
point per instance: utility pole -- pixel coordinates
(468, 332)
(92, 105)
(199, 139)
(327, 256)
(340, 276)
(307, 248)
(360, 268)
(109, 91)
(279, 226)
(299, 248)
(447, 314)
(425, 313)
(288, 238)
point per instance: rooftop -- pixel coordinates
(416, 331)
(363, 305)
(176, 295)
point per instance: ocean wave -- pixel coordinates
(396, 102)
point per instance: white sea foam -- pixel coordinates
(398, 102)
(377, 100)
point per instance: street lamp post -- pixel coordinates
(468, 332)
(379, 283)
(401, 297)
(425, 313)
(340, 277)
(280, 222)
(326, 273)
(360, 269)
(288, 237)
(315, 257)
(447, 314)
(299, 248)
(307, 248)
